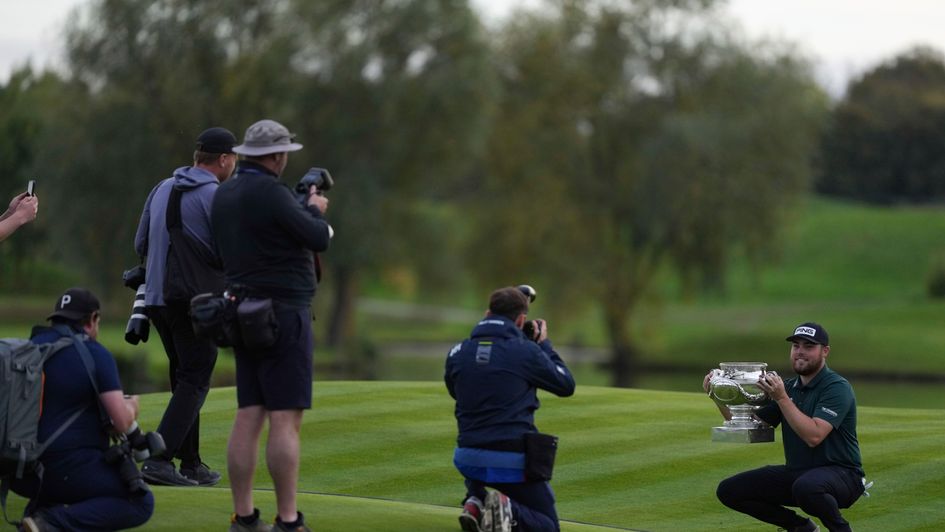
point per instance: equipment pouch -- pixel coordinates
(258, 326)
(213, 317)
(540, 452)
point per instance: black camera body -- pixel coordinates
(134, 277)
(134, 446)
(531, 330)
(319, 177)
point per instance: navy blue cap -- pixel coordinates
(216, 140)
(810, 331)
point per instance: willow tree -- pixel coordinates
(632, 138)
(396, 97)
(144, 77)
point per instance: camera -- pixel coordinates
(139, 326)
(531, 330)
(133, 277)
(319, 177)
(134, 446)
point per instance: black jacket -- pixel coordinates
(494, 376)
(265, 237)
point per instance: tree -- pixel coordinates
(884, 144)
(632, 137)
(27, 104)
(396, 97)
(145, 77)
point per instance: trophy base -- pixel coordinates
(743, 434)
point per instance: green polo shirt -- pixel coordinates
(827, 396)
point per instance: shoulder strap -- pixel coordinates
(172, 214)
(87, 361)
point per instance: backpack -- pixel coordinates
(21, 403)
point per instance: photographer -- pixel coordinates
(79, 490)
(267, 240)
(174, 234)
(494, 376)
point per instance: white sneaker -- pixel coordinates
(471, 517)
(497, 516)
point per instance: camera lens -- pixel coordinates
(138, 327)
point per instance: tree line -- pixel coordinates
(583, 145)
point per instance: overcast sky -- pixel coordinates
(845, 37)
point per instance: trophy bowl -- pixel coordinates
(735, 385)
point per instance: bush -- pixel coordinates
(935, 279)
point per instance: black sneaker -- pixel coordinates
(201, 474)
(163, 473)
(37, 523)
(256, 525)
(299, 526)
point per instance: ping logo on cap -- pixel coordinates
(66, 299)
(806, 331)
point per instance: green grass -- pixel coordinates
(837, 250)
(377, 456)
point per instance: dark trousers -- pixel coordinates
(821, 492)
(533, 503)
(191, 364)
(80, 492)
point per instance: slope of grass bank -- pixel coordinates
(632, 459)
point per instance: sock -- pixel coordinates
(299, 521)
(249, 519)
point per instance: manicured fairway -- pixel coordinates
(377, 456)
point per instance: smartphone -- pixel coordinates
(31, 187)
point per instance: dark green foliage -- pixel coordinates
(935, 279)
(625, 143)
(395, 97)
(583, 147)
(26, 113)
(885, 142)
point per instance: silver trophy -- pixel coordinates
(735, 385)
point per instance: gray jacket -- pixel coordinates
(151, 239)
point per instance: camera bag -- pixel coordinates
(258, 326)
(540, 450)
(213, 316)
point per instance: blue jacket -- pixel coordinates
(151, 239)
(494, 377)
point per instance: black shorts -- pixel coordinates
(280, 377)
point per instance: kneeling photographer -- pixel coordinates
(494, 376)
(85, 484)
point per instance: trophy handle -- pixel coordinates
(723, 382)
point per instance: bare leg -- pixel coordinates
(282, 457)
(241, 456)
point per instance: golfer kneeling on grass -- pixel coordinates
(817, 414)
(494, 376)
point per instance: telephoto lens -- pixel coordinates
(529, 292)
(138, 324)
